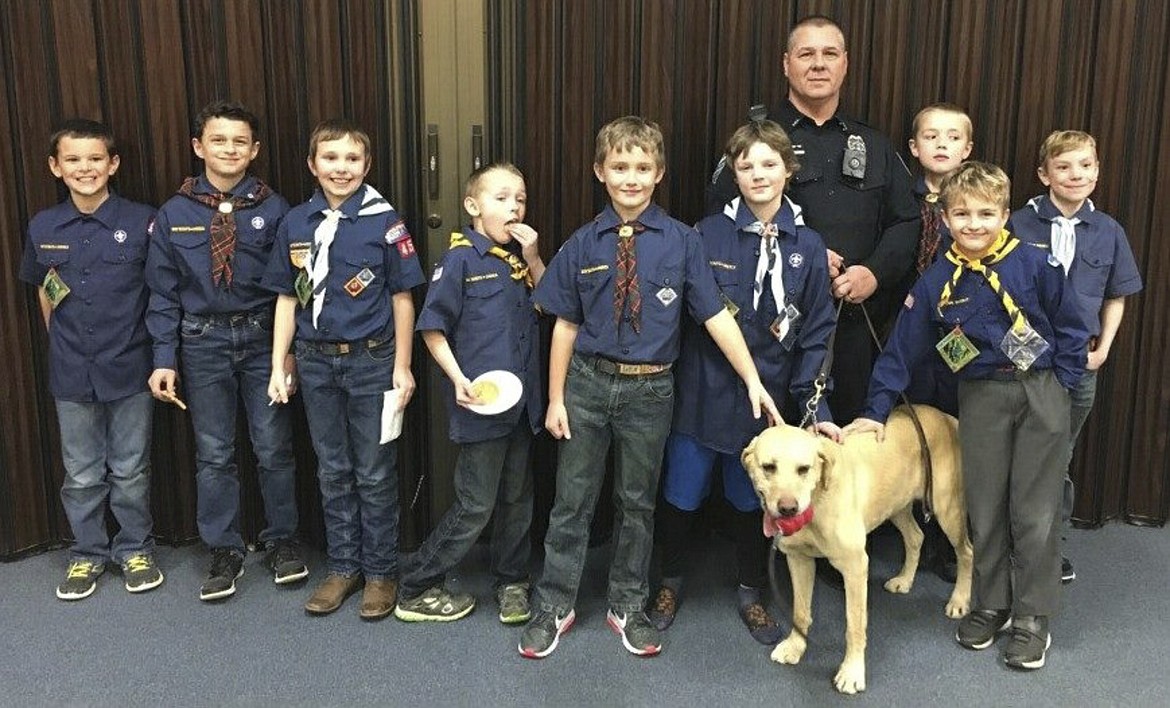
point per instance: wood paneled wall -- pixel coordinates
(146, 67)
(1022, 68)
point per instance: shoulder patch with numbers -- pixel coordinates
(397, 232)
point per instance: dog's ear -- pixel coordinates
(748, 457)
(826, 456)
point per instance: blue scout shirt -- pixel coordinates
(376, 245)
(1038, 289)
(99, 348)
(488, 319)
(578, 286)
(1104, 267)
(179, 265)
(710, 402)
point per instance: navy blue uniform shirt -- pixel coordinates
(711, 402)
(179, 266)
(489, 322)
(1038, 289)
(578, 286)
(376, 245)
(99, 348)
(1104, 267)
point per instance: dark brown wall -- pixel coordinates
(1021, 68)
(145, 67)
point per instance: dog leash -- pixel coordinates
(822, 379)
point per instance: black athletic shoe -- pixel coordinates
(226, 566)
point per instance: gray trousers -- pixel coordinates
(1014, 436)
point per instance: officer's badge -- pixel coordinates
(120, 236)
(666, 296)
(796, 260)
(257, 222)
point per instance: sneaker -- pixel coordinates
(437, 604)
(1029, 643)
(513, 601)
(543, 633)
(226, 566)
(978, 629)
(140, 573)
(665, 608)
(638, 635)
(1067, 574)
(284, 560)
(80, 580)
(760, 624)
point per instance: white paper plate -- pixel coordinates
(507, 390)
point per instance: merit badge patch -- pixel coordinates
(359, 282)
(257, 222)
(303, 286)
(666, 296)
(120, 236)
(55, 288)
(796, 260)
(406, 247)
(396, 233)
(438, 274)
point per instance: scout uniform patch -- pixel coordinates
(956, 349)
(55, 289)
(359, 282)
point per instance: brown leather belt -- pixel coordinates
(618, 368)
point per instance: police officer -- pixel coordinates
(853, 189)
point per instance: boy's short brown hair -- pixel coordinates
(943, 107)
(336, 129)
(1062, 141)
(230, 110)
(981, 180)
(83, 128)
(472, 185)
(629, 132)
(767, 132)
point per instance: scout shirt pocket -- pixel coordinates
(595, 289)
(192, 252)
(53, 255)
(364, 272)
(124, 265)
(481, 297)
(662, 292)
(731, 291)
(1092, 274)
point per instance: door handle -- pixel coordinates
(433, 160)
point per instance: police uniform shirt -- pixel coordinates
(1104, 266)
(711, 403)
(489, 322)
(1038, 289)
(371, 258)
(873, 221)
(578, 286)
(179, 265)
(99, 348)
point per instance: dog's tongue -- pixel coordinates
(786, 525)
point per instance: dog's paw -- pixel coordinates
(850, 677)
(789, 651)
(900, 584)
(958, 608)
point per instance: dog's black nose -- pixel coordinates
(788, 510)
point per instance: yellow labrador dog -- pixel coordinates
(841, 492)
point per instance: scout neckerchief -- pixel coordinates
(931, 235)
(223, 223)
(1004, 244)
(372, 203)
(1064, 233)
(518, 266)
(766, 263)
(626, 285)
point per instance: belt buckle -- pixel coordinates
(343, 348)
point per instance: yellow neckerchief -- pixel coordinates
(519, 267)
(1004, 244)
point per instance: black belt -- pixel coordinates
(618, 368)
(342, 348)
(1012, 374)
(222, 318)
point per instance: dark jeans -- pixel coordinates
(633, 413)
(227, 358)
(357, 475)
(1082, 403)
(491, 474)
(106, 451)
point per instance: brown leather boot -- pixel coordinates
(378, 599)
(332, 592)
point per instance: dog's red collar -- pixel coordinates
(786, 525)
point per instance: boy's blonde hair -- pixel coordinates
(336, 129)
(943, 107)
(627, 133)
(979, 180)
(1062, 141)
(767, 132)
(472, 186)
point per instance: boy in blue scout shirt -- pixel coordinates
(478, 317)
(1000, 315)
(773, 273)
(618, 288)
(86, 256)
(1092, 249)
(210, 245)
(343, 266)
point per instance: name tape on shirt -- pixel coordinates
(594, 269)
(187, 229)
(483, 276)
(722, 264)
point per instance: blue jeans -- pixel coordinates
(491, 474)
(358, 476)
(227, 358)
(106, 449)
(633, 413)
(1082, 403)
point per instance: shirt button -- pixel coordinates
(89, 301)
(89, 330)
(625, 350)
(666, 281)
(85, 271)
